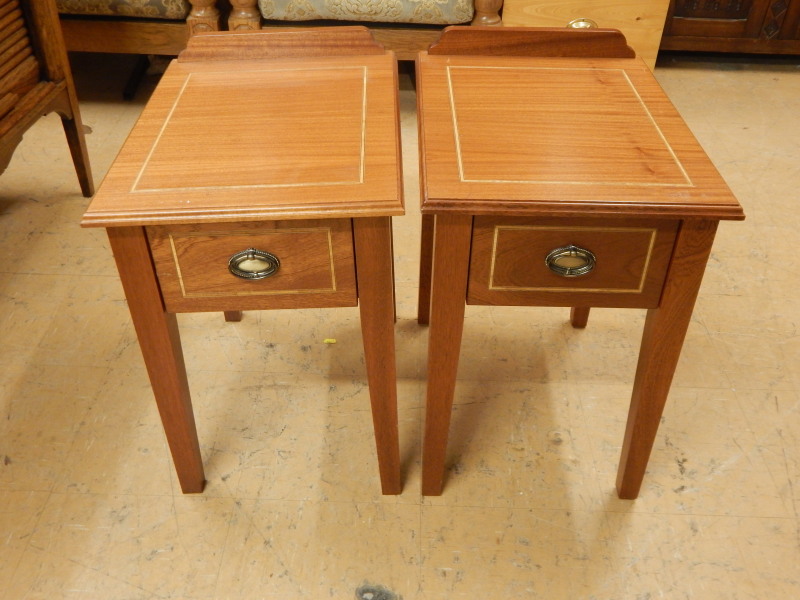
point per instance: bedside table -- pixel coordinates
(567, 181)
(263, 173)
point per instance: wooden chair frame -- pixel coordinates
(119, 35)
(35, 79)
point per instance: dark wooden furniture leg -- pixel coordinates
(664, 332)
(73, 128)
(135, 78)
(56, 66)
(36, 80)
(374, 268)
(233, 316)
(159, 340)
(579, 316)
(425, 270)
(448, 298)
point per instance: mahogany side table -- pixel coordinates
(263, 173)
(555, 172)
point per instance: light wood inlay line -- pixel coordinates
(362, 162)
(667, 145)
(450, 69)
(454, 116)
(160, 134)
(330, 258)
(637, 290)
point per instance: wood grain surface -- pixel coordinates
(527, 41)
(664, 331)
(125, 36)
(375, 273)
(260, 139)
(286, 42)
(559, 136)
(160, 343)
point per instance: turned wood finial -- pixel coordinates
(204, 16)
(244, 15)
(487, 12)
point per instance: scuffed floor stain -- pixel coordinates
(375, 592)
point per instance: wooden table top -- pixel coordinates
(559, 137)
(243, 140)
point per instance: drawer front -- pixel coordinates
(316, 265)
(641, 21)
(508, 264)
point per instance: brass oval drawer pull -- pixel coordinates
(253, 264)
(570, 261)
(582, 23)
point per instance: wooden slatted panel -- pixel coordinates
(7, 102)
(33, 103)
(19, 70)
(6, 6)
(32, 48)
(12, 35)
(9, 13)
(21, 78)
(14, 55)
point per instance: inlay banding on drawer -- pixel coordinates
(316, 264)
(508, 262)
(627, 273)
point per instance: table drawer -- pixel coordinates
(316, 265)
(630, 258)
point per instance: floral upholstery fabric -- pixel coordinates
(434, 12)
(147, 9)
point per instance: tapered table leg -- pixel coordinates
(447, 298)
(579, 316)
(80, 155)
(664, 332)
(374, 272)
(425, 270)
(159, 340)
